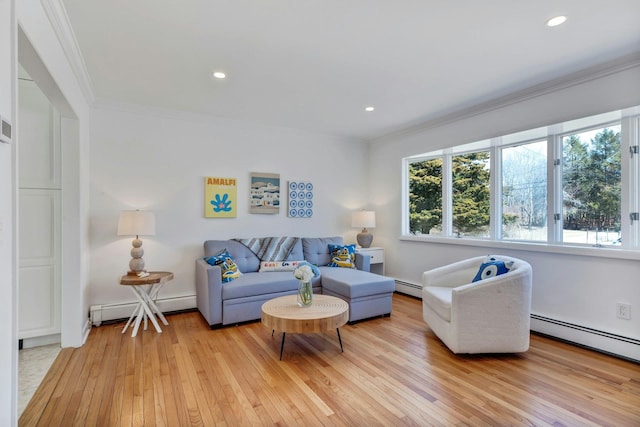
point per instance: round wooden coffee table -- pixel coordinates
(284, 314)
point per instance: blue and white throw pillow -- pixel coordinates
(492, 267)
(227, 266)
(342, 256)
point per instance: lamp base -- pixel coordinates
(136, 264)
(364, 238)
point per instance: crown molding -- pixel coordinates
(59, 19)
(207, 118)
(583, 76)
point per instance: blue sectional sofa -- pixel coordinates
(241, 300)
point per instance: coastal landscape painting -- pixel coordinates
(264, 193)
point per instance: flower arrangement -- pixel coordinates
(304, 272)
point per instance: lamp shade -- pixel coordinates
(363, 219)
(136, 223)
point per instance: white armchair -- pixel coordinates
(488, 316)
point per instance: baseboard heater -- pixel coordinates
(585, 329)
(413, 289)
(603, 341)
(100, 313)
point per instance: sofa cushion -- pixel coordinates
(353, 283)
(251, 284)
(246, 260)
(316, 249)
(296, 252)
(438, 299)
(279, 265)
(343, 256)
(228, 267)
(270, 248)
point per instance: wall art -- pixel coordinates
(264, 193)
(220, 197)
(300, 199)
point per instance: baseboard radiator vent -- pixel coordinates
(606, 342)
(409, 288)
(110, 312)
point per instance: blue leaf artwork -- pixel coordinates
(221, 204)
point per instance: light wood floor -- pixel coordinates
(393, 372)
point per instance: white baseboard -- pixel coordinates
(40, 341)
(105, 312)
(86, 330)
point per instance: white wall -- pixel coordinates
(581, 290)
(49, 63)
(156, 160)
(8, 330)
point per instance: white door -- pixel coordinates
(40, 216)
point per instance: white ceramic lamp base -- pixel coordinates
(136, 265)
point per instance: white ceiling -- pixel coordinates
(315, 64)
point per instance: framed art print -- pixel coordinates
(264, 193)
(300, 199)
(220, 197)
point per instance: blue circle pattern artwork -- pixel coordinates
(300, 199)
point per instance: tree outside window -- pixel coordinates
(591, 186)
(471, 194)
(425, 197)
(524, 192)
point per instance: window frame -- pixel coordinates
(629, 121)
(499, 185)
(558, 183)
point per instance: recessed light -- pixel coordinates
(369, 108)
(556, 20)
(219, 75)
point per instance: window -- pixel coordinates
(425, 196)
(524, 192)
(568, 184)
(591, 186)
(471, 194)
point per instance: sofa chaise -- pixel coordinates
(240, 300)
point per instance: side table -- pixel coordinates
(146, 290)
(377, 258)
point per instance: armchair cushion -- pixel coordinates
(439, 299)
(491, 267)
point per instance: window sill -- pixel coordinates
(598, 252)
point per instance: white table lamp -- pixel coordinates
(136, 223)
(364, 219)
